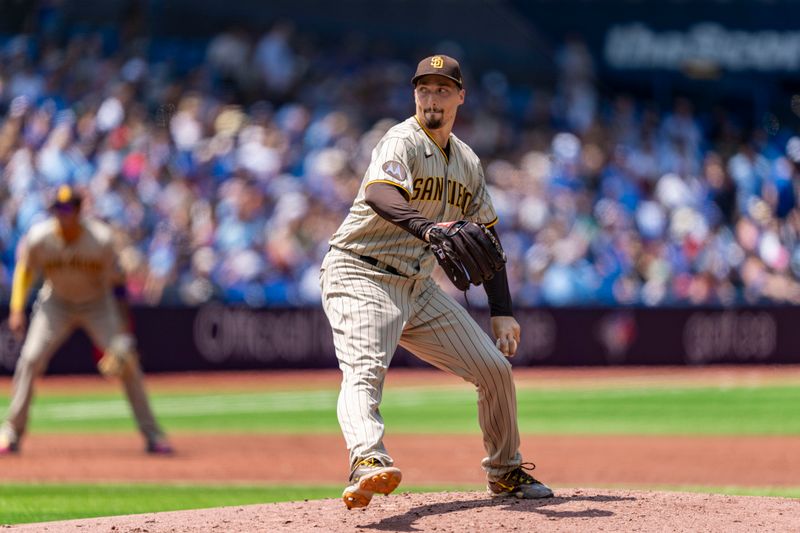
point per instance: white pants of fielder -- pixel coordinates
(52, 322)
(372, 311)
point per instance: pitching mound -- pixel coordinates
(570, 511)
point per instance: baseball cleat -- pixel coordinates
(159, 447)
(8, 446)
(369, 477)
(519, 484)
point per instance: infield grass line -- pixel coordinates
(681, 411)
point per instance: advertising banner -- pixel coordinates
(219, 337)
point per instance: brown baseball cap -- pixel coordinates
(65, 196)
(441, 65)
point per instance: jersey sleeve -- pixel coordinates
(481, 209)
(22, 280)
(392, 161)
(29, 252)
(24, 254)
(116, 274)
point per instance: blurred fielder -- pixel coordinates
(83, 287)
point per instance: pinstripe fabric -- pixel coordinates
(424, 169)
(372, 311)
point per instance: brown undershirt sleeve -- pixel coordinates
(390, 203)
(497, 290)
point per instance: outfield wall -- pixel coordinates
(218, 337)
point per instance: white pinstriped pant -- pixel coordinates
(371, 312)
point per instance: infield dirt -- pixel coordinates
(571, 510)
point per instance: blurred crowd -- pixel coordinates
(224, 179)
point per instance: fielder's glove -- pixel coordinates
(120, 358)
(466, 251)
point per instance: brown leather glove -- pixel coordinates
(466, 251)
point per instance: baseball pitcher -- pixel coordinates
(83, 287)
(423, 199)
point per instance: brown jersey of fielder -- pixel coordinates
(377, 291)
(83, 286)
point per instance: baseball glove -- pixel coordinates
(120, 358)
(467, 252)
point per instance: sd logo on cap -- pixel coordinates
(441, 65)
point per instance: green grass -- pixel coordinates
(43, 502)
(732, 490)
(20, 503)
(777, 492)
(24, 503)
(679, 411)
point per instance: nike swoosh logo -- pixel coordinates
(427, 155)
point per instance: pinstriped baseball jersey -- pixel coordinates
(77, 272)
(440, 186)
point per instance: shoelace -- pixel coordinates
(520, 476)
(369, 461)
